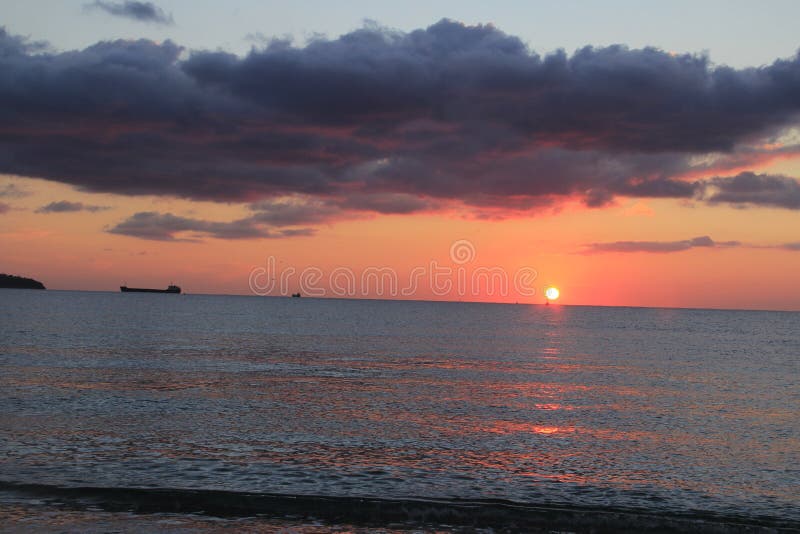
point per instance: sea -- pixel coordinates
(174, 413)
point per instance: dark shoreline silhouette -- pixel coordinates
(10, 281)
(378, 512)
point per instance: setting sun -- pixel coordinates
(552, 293)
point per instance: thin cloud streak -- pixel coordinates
(664, 247)
(286, 217)
(65, 206)
(659, 247)
(168, 227)
(134, 10)
(13, 191)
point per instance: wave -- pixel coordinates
(376, 512)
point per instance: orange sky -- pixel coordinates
(73, 250)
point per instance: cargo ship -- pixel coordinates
(170, 289)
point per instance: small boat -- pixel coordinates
(296, 295)
(170, 289)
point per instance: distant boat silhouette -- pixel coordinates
(296, 295)
(170, 289)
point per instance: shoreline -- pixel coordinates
(374, 512)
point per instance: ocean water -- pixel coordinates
(142, 412)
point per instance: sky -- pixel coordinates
(628, 153)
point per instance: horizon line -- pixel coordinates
(448, 301)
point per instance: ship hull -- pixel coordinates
(125, 289)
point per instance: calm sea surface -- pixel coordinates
(659, 411)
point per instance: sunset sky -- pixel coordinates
(629, 153)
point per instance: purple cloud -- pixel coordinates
(391, 122)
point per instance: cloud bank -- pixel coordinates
(381, 121)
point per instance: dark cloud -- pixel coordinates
(749, 189)
(131, 9)
(168, 227)
(389, 122)
(65, 206)
(467, 77)
(658, 246)
(4, 208)
(17, 45)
